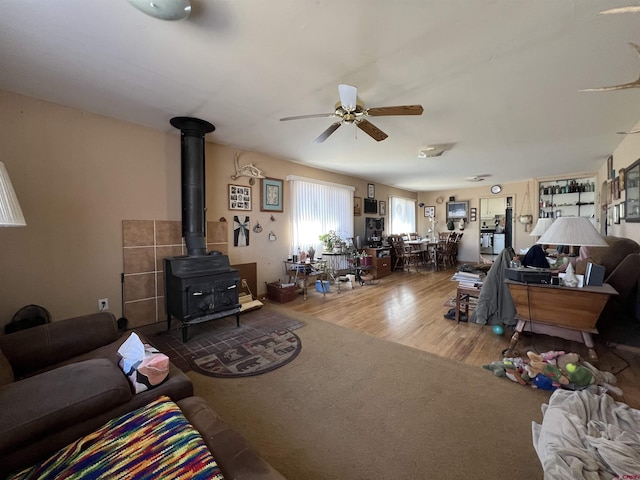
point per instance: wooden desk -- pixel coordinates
(566, 312)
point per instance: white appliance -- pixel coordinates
(498, 242)
(486, 242)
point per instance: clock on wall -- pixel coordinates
(496, 189)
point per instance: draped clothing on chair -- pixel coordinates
(495, 305)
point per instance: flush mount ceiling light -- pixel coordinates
(164, 9)
(431, 151)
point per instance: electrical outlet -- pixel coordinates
(103, 304)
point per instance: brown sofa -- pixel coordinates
(61, 380)
(621, 261)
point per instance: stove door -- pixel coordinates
(210, 297)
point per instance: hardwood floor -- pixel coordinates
(409, 307)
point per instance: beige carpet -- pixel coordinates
(352, 406)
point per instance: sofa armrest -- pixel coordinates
(624, 277)
(233, 454)
(36, 348)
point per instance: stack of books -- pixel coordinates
(468, 279)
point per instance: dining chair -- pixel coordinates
(412, 255)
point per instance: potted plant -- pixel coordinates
(330, 240)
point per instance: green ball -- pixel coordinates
(571, 367)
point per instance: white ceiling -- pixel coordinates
(499, 80)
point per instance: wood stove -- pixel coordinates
(198, 287)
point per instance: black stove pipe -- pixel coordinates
(192, 132)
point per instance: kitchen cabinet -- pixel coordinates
(567, 198)
(492, 206)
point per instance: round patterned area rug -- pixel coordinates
(253, 357)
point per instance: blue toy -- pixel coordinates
(498, 330)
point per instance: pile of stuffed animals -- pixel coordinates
(555, 369)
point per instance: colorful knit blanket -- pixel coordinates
(153, 442)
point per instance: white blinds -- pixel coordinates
(316, 208)
(402, 215)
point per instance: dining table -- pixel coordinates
(428, 247)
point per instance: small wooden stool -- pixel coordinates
(463, 297)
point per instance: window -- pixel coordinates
(402, 214)
(316, 208)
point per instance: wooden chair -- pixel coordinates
(412, 255)
(445, 256)
(397, 252)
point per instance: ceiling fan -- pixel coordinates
(351, 110)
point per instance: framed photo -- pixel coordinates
(371, 190)
(604, 194)
(271, 195)
(239, 197)
(621, 172)
(616, 188)
(622, 217)
(357, 206)
(610, 167)
(430, 211)
(616, 214)
(473, 215)
(382, 207)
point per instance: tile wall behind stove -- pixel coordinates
(145, 244)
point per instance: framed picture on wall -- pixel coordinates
(239, 197)
(357, 206)
(271, 195)
(371, 190)
(430, 211)
(610, 167)
(473, 215)
(382, 207)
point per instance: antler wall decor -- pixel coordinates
(249, 170)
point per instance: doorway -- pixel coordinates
(496, 225)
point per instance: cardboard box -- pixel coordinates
(278, 293)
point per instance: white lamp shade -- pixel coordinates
(578, 231)
(541, 227)
(10, 211)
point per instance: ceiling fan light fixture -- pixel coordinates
(164, 9)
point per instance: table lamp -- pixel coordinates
(541, 227)
(578, 231)
(10, 211)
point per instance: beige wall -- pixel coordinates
(469, 250)
(79, 175)
(270, 254)
(623, 156)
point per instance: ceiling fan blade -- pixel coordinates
(348, 96)
(327, 132)
(313, 115)
(631, 132)
(371, 130)
(399, 110)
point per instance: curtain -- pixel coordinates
(402, 215)
(316, 208)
